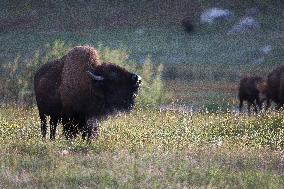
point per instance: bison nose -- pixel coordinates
(137, 79)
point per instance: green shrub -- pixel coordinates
(152, 91)
(18, 75)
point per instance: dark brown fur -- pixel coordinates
(46, 83)
(250, 89)
(66, 91)
(275, 82)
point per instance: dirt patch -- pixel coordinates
(22, 22)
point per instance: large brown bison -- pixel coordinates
(254, 91)
(275, 82)
(88, 91)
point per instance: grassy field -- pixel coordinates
(146, 149)
(211, 147)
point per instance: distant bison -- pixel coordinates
(275, 82)
(254, 91)
(88, 91)
(187, 24)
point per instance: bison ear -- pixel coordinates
(95, 77)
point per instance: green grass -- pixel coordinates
(146, 148)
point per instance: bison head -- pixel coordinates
(119, 86)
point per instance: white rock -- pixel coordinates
(266, 49)
(245, 25)
(259, 60)
(214, 14)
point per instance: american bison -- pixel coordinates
(275, 82)
(254, 91)
(86, 91)
(187, 24)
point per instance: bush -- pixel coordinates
(152, 92)
(17, 77)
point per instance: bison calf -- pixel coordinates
(254, 91)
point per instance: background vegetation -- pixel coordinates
(143, 30)
(159, 145)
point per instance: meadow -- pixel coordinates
(160, 144)
(146, 149)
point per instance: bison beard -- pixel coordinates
(86, 92)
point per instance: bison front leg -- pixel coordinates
(68, 128)
(255, 107)
(91, 129)
(259, 103)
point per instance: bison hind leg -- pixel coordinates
(241, 104)
(43, 126)
(53, 126)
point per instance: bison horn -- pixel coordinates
(95, 77)
(136, 78)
